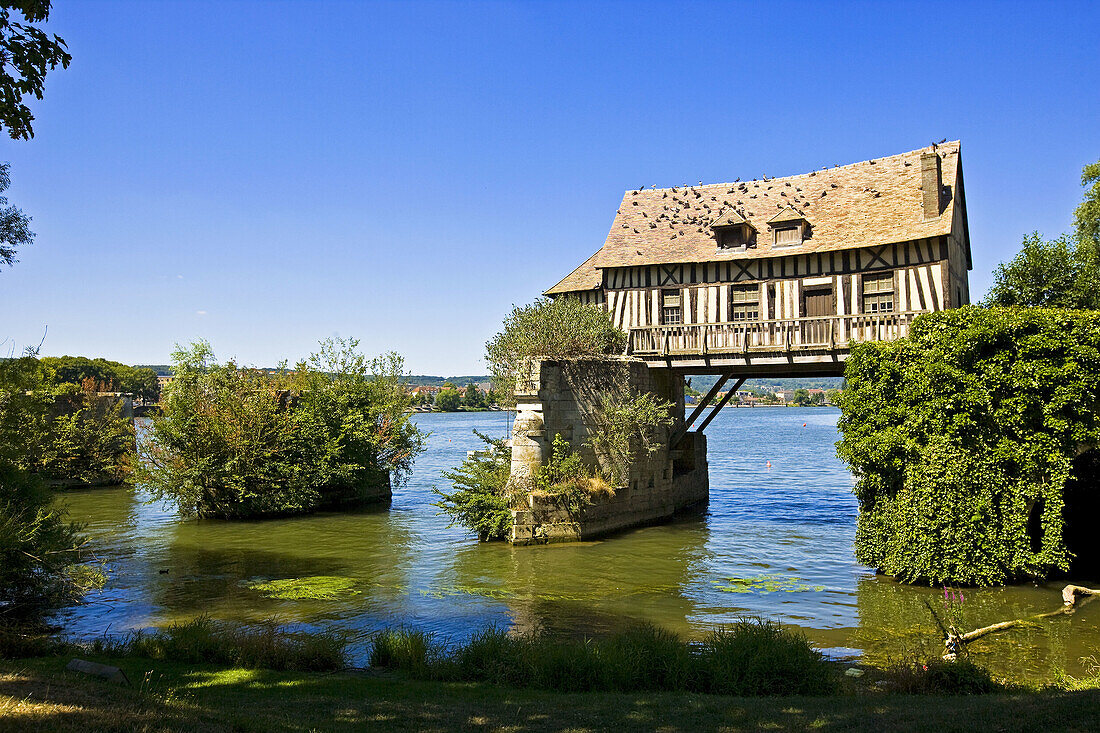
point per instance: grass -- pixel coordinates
(200, 641)
(753, 657)
(39, 695)
(756, 675)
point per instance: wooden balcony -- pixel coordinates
(784, 347)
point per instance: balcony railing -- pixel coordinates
(820, 333)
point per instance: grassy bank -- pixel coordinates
(752, 657)
(39, 695)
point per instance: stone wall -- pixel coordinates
(561, 397)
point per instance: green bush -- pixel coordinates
(40, 552)
(233, 442)
(562, 328)
(964, 434)
(480, 501)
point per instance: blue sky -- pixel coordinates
(266, 174)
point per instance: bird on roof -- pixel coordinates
(737, 180)
(941, 142)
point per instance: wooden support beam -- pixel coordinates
(679, 432)
(720, 405)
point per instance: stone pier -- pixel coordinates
(562, 397)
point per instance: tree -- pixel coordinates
(448, 400)
(234, 442)
(114, 377)
(61, 430)
(1086, 219)
(26, 54)
(40, 552)
(802, 397)
(472, 397)
(563, 328)
(14, 224)
(832, 395)
(1058, 273)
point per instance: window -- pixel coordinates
(745, 303)
(878, 293)
(788, 235)
(670, 307)
(734, 237)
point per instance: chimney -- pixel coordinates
(931, 183)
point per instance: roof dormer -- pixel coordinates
(789, 227)
(733, 231)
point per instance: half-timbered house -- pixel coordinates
(783, 271)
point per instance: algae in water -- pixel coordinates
(315, 588)
(766, 583)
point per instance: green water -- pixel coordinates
(774, 542)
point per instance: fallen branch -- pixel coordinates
(954, 642)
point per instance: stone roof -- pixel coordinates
(864, 204)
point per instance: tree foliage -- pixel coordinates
(40, 551)
(563, 328)
(962, 434)
(448, 400)
(15, 229)
(110, 376)
(1086, 218)
(26, 54)
(60, 430)
(235, 442)
(1057, 273)
(480, 501)
(472, 396)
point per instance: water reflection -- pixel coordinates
(774, 541)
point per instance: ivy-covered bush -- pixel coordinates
(962, 437)
(234, 442)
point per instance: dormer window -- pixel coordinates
(732, 230)
(731, 237)
(789, 228)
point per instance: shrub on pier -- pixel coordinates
(563, 328)
(963, 438)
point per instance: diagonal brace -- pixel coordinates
(717, 408)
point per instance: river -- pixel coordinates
(774, 542)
